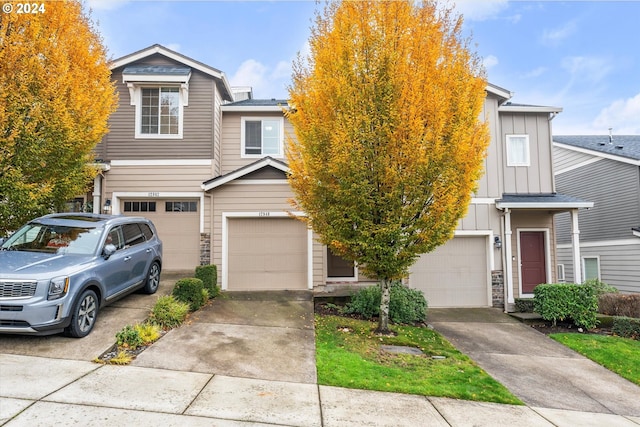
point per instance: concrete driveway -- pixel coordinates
(129, 310)
(540, 371)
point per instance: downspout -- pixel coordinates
(508, 266)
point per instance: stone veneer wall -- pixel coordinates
(497, 288)
(205, 248)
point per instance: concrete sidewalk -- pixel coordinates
(249, 360)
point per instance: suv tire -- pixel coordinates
(84, 316)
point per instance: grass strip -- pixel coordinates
(620, 355)
(349, 354)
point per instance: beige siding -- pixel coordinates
(155, 179)
(490, 184)
(198, 124)
(538, 177)
(231, 139)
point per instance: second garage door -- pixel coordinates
(266, 254)
(455, 274)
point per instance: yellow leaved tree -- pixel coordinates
(56, 95)
(388, 141)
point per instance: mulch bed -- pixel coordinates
(547, 328)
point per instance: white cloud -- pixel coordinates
(623, 115)
(173, 46)
(537, 72)
(555, 36)
(474, 10)
(585, 68)
(490, 61)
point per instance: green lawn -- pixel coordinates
(348, 355)
(620, 355)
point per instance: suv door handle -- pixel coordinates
(127, 258)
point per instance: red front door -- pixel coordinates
(534, 265)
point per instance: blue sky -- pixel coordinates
(583, 56)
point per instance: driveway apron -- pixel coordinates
(261, 335)
(540, 371)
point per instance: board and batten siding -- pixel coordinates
(199, 123)
(614, 188)
(619, 263)
(241, 196)
(538, 176)
(490, 183)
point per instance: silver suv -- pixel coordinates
(58, 270)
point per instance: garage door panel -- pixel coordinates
(455, 274)
(266, 254)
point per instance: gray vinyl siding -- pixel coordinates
(614, 188)
(563, 158)
(489, 184)
(619, 265)
(538, 176)
(201, 118)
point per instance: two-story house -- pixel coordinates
(206, 162)
(605, 170)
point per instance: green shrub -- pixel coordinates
(567, 301)
(190, 291)
(365, 302)
(406, 305)
(600, 287)
(129, 337)
(209, 276)
(168, 312)
(624, 305)
(524, 305)
(627, 327)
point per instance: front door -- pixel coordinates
(533, 261)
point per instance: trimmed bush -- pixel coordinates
(600, 287)
(626, 327)
(406, 305)
(129, 337)
(625, 305)
(567, 301)
(168, 312)
(190, 291)
(524, 305)
(209, 276)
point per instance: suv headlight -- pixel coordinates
(58, 287)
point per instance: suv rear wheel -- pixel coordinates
(153, 279)
(84, 315)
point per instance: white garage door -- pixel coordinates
(178, 225)
(266, 254)
(455, 274)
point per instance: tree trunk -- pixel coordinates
(383, 322)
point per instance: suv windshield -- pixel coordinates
(37, 237)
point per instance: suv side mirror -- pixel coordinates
(2, 240)
(108, 250)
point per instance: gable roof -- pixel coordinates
(243, 171)
(624, 148)
(217, 75)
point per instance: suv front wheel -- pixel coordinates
(84, 315)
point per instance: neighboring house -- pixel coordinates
(605, 170)
(206, 163)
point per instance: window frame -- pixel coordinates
(138, 118)
(584, 267)
(262, 119)
(508, 142)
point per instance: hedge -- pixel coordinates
(567, 301)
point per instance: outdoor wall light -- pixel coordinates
(107, 206)
(497, 243)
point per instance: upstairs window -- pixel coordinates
(262, 137)
(518, 150)
(160, 111)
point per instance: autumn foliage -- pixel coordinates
(55, 98)
(388, 143)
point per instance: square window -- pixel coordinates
(518, 150)
(262, 137)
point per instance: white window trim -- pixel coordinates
(135, 91)
(583, 267)
(332, 279)
(527, 162)
(560, 273)
(243, 154)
